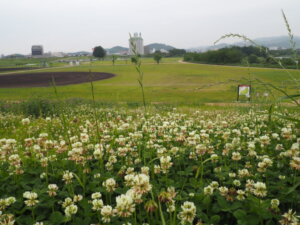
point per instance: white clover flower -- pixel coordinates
(214, 157)
(275, 203)
(84, 137)
(125, 205)
(165, 163)
(141, 183)
(52, 189)
(232, 175)
(188, 213)
(25, 121)
(31, 198)
(97, 175)
(106, 213)
(77, 198)
(240, 195)
(97, 204)
(295, 163)
(67, 177)
(96, 195)
(208, 190)
(289, 218)
(67, 202)
(236, 156)
(43, 135)
(214, 184)
(260, 189)
(223, 191)
(281, 177)
(243, 173)
(110, 184)
(157, 169)
(145, 170)
(264, 140)
(236, 183)
(171, 206)
(71, 210)
(192, 195)
(6, 202)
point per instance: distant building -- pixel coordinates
(136, 42)
(37, 50)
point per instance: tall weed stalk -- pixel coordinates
(136, 59)
(94, 105)
(61, 114)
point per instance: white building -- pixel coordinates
(136, 42)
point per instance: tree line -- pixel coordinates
(239, 55)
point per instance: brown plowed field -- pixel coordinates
(45, 79)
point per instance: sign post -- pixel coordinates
(244, 90)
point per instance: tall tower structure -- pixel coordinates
(136, 42)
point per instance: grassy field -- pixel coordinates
(25, 62)
(170, 82)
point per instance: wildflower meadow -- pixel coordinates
(102, 166)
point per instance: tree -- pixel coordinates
(252, 58)
(99, 52)
(176, 52)
(113, 59)
(157, 57)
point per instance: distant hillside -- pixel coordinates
(280, 42)
(15, 56)
(116, 50)
(122, 50)
(158, 46)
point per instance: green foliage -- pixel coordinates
(157, 57)
(232, 55)
(38, 107)
(113, 59)
(99, 52)
(176, 52)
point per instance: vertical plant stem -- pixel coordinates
(137, 61)
(62, 115)
(161, 214)
(94, 105)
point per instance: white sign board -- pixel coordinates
(244, 90)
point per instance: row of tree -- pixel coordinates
(236, 55)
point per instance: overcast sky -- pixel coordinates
(74, 25)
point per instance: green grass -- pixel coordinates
(21, 62)
(167, 83)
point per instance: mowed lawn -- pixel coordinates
(169, 82)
